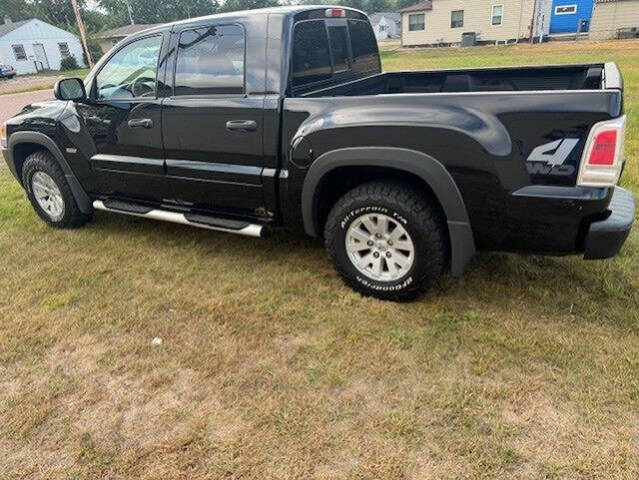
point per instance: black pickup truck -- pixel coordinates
(243, 121)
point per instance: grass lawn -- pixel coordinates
(270, 367)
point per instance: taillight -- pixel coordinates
(336, 12)
(3, 135)
(603, 148)
(603, 159)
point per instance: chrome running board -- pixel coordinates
(209, 223)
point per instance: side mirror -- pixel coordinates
(70, 89)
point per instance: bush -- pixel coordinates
(69, 63)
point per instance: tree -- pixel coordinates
(154, 11)
(234, 5)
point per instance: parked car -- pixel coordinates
(7, 71)
(249, 120)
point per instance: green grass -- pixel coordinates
(270, 367)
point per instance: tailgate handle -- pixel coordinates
(241, 125)
(141, 123)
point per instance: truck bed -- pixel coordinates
(571, 77)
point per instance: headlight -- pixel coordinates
(3, 135)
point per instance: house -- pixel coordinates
(33, 45)
(443, 22)
(615, 19)
(108, 38)
(570, 16)
(386, 25)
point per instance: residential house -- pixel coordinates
(443, 22)
(33, 45)
(108, 38)
(386, 25)
(615, 19)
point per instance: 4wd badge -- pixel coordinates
(548, 159)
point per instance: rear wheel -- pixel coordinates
(49, 192)
(387, 240)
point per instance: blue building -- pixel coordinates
(570, 16)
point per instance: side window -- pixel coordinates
(339, 47)
(311, 55)
(131, 72)
(210, 61)
(364, 46)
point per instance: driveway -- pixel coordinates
(12, 104)
(24, 82)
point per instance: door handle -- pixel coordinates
(141, 123)
(241, 125)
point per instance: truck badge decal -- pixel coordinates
(553, 154)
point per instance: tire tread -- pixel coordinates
(424, 215)
(42, 160)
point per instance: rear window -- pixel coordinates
(320, 51)
(364, 45)
(311, 54)
(339, 47)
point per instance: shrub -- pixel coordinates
(69, 63)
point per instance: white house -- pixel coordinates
(33, 45)
(386, 25)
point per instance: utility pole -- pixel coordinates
(128, 7)
(83, 33)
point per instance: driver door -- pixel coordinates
(123, 121)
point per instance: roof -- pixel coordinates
(287, 9)
(291, 9)
(4, 28)
(126, 30)
(419, 7)
(376, 17)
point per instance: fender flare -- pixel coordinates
(80, 195)
(431, 171)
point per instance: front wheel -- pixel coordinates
(387, 240)
(49, 192)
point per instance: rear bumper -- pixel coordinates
(606, 237)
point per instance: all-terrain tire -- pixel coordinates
(397, 204)
(43, 161)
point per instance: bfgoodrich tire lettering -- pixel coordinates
(42, 161)
(406, 206)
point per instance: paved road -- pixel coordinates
(12, 104)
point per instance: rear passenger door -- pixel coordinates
(212, 129)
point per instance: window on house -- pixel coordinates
(416, 22)
(64, 50)
(566, 10)
(18, 52)
(457, 19)
(498, 14)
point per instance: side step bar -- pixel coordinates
(193, 220)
